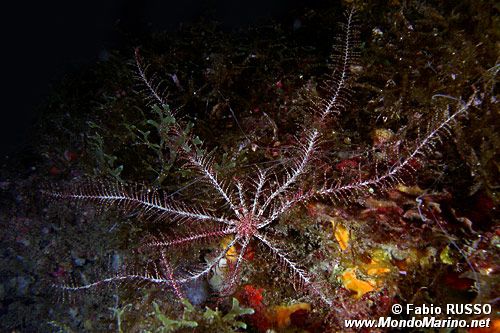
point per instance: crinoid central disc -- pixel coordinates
(247, 225)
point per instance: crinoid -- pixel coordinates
(243, 210)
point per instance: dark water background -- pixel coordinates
(43, 41)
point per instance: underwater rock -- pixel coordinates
(196, 291)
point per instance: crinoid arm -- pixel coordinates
(395, 174)
(151, 274)
(137, 199)
(234, 274)
(159, 276)
(299, 167)
(159, 273)
(301, 279)
(203, 163)
(336, 86)
(152, 85)
(188, 239)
